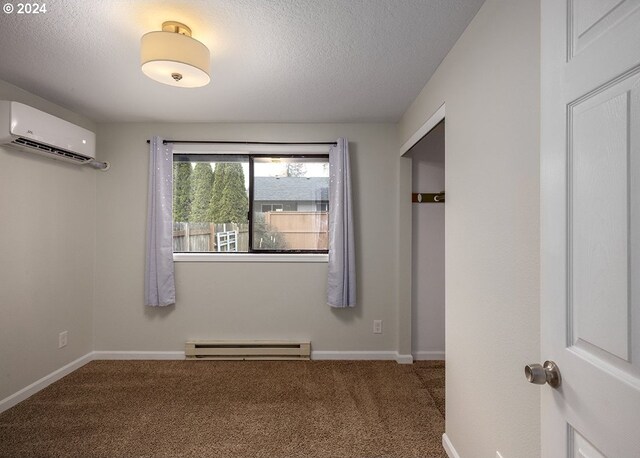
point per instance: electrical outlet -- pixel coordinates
(377, 326)
(62, 339)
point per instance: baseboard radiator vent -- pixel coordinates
(247, 349)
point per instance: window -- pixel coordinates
(271, 207)
(251, 203)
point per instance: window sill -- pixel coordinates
(250, 257)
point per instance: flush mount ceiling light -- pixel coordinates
(172, 57)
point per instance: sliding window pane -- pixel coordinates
(291, 203)
(210, 203)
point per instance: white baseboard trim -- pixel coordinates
(138, 355)
(448, 447)
(353, 355)
(362, 356)
(404, 359)
(45, 381)
(429, 356)
(317, 355)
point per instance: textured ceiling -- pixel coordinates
(271, 60)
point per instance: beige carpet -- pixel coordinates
(233, 409)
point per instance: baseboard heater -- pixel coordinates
(247, 349)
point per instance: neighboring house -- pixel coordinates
(291, 194)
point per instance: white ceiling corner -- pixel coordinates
(271, 60)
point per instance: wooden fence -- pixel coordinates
(301, 230)
(203, 237)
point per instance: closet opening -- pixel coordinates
(428, 257)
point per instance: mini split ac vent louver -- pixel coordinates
(47, 149)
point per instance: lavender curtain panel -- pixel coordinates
(341, 281)
(159, 283)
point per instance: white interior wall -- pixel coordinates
(47, 241)
(219, 300)
(490, 85)
(428, 256)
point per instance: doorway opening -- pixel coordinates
(428, 258)
(427, 242)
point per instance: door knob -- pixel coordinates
(548, 373)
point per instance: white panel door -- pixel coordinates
(590, 227)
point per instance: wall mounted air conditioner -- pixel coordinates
(32, 130)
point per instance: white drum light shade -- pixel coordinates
(172, 57)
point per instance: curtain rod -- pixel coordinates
(164, 142)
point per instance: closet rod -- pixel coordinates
(245, 143)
